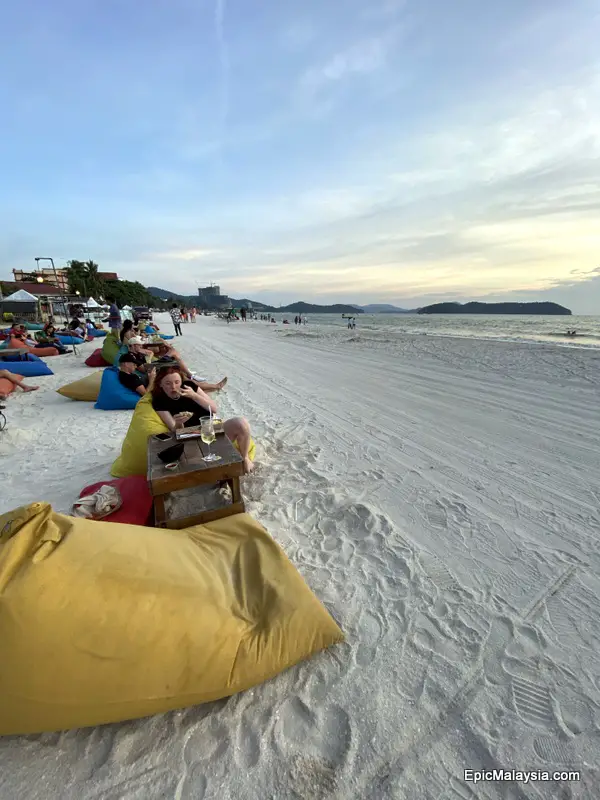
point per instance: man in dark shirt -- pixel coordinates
(129, 377)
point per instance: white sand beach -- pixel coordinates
(442, 498)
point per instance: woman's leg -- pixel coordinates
(211, 387)
(238, 430)
(4, 373)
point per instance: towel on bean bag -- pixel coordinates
(86, 389)
(134, 452)
(96, 359)
(113, 396)
(6, 386)
(110, 347)
(137, 503)
(102, 622)
(28, 369)
(38, 351)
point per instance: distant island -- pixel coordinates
(545, 309)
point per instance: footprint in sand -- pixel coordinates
(324, 733)
(552, 750)
(436, 515)
(533, 703)
(192, 785)
(370, 633)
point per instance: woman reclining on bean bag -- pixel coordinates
(48, 338)
(174, 396)
(38, 350)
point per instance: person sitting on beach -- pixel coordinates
(165, 353)
(77, 328)
(128, 332)
(140, 354)
(17, 381)
(129, 377)
(48, 338)
(174, 396)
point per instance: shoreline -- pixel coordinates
(432, 496)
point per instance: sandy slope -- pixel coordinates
(442, 497)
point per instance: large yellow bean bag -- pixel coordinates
(110, 347)
(84, 389)
(102, 622)
(134, 452)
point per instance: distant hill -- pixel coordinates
(297, 308)
(383, 308)
(496, 308)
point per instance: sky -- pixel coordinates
(390, 151)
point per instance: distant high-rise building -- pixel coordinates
(211, 297)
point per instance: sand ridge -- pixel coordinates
(441, 498)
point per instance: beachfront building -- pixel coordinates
(58, 278)
(210, 297)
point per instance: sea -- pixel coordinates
(509, 328)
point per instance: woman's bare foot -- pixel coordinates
(29, 388)
(248, 466)
(221, 384)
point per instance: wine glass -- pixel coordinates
(207, 434)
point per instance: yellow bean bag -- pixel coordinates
(84, 389)
(134, 452)
(102, 622)
(110, 347)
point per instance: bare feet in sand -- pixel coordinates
(30, 388)
(248, 466)
(221, 384)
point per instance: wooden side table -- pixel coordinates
(193, 471)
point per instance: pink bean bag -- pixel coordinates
(137, 506)
(96, 359)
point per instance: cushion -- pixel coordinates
(110, 347)
(137, 506)
(102, 622)
(96, 333)
(96, 359)
(34, 326)
(86, 388)
(69, 339)
(29, 369)
(20, 357)
(144, 423)
(6, 386)
(39, 351)
(113, 396)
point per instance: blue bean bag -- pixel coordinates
(122, 350)
(69, 339)
(113, 396)
(165, 336)
(24, 357)
(28, 369)
(96, 333)
(150, 329)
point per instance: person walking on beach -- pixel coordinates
(114, 315)
(176, 317)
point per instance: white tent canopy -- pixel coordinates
(126, 308)
(91, 303)
(21, 296)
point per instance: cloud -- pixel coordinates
(361, 58)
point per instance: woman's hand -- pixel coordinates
(189, 393)
(180, 419)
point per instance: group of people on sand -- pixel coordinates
(179, 397)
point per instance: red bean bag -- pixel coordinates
(137, 507)
(96, 359)
(38, 351)
(6, 386)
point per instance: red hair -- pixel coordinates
(159, 374)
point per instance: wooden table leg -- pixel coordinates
(236, 494)
(160, 516)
